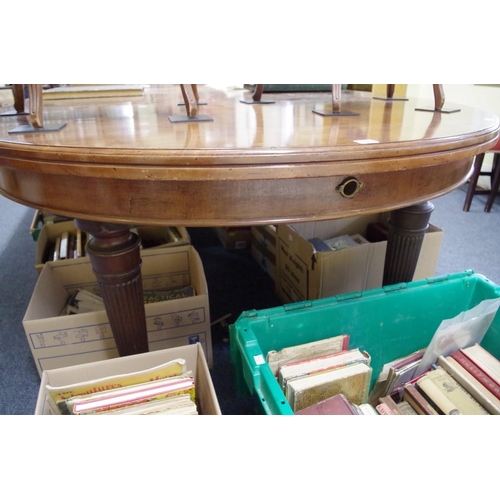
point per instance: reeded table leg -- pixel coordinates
(407, 227)
(115, 255)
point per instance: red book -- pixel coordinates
(477, 372)
(336, 405)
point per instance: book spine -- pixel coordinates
(436, 395)
(474, 387)
(417, 401)
(456, 393)
(479, 374)
(387, 400)
(383, 409)
(406, 408)
(484, 360)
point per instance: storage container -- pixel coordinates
(387, 322)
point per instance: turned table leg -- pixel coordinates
(407, 227)
(114, 252)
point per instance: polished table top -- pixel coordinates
(120, 159)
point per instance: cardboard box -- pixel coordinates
(59, 341)
(234, 238)
(163, 236)
(193, 354)
(48, 235)
(149, 234)
(307, 274)
(264, 248)
(40, 219)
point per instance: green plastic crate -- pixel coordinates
(387, 322)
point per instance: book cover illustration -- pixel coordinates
(59, 394)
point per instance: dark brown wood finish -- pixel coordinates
(122, 162)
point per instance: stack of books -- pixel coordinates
(466, 382)
(69, 245)
(84, 301)
(312, 373)
(165, 389)
(327, 377)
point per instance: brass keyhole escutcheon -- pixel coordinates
(350, 187)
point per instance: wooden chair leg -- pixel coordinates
(190, 96)
(478, 162)
(35, 104)
(336, 97)
(495, 182)
(257, 93)
(18, 91)
(438, 96)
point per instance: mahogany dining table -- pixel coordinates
(113, 163)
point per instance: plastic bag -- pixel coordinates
(464, 330)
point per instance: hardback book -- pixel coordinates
(478, 373)
(88, 91)
(60, 394)
(412, 396)
(465, 403)
(174, 405)
(395, 373)
(57, 249)
(401, 408)
(71, 245)
(132, 395)
(477, 390)
(336, 405)
(484, 360)
(391, 404)
(359, 239)
(79, 247)
(437, 396)
(296, 369)
(306, 351)
(63, 249)
(366, 409)
(405, 408)
(351, 380)
(341, 242)
(383, 409)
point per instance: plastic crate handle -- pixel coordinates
(269, 392)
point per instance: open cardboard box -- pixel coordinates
(234, 237)
(59, 341)
(264, 248)
(195, 361)
(153, 237)
(307, 274)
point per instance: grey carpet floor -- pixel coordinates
(470, 241)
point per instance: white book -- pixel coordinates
(367, 409)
